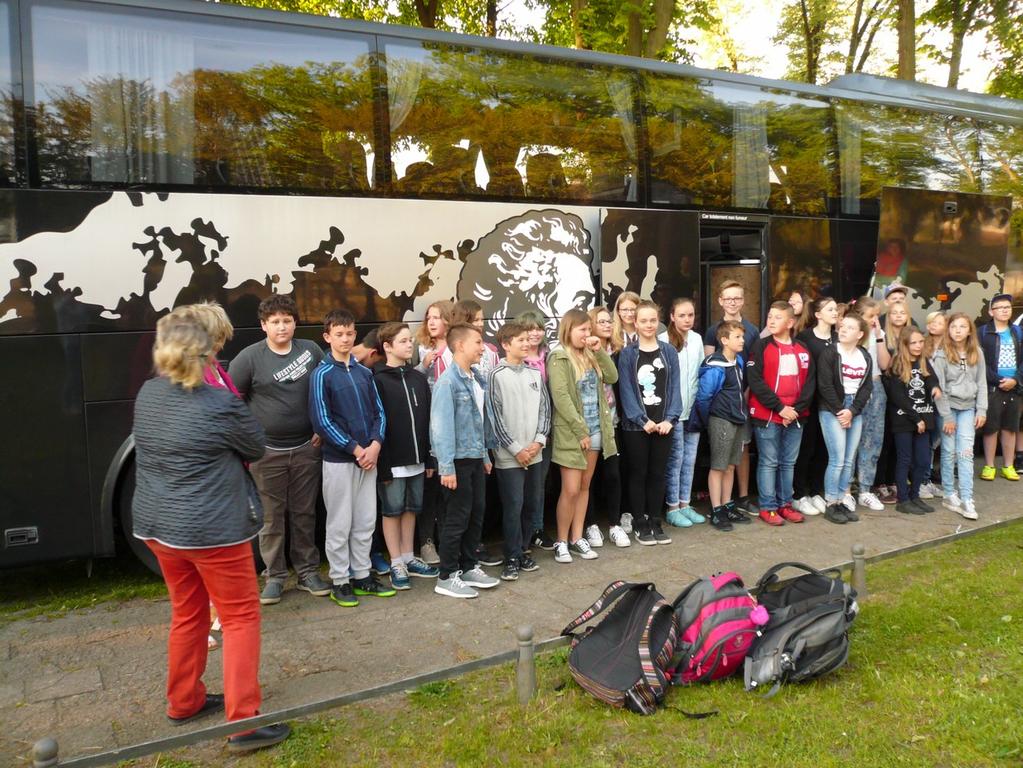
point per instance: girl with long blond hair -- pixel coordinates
(624, 319)
(431, 340)
(581, 427)
(912, 390)
(960, 369)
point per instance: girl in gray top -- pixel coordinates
(958, 363)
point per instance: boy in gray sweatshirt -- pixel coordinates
(520, 411)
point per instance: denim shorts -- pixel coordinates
(400, 495)
(596, 441)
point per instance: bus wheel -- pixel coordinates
(125, 493)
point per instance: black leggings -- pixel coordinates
(609, 480)
(808, 475)
(648, 462)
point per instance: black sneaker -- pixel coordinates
(528, 564)
(510, 572)
(659, 535)
(736, 515)
(646, 538)
(922, 505)
(747, 507)
(908, 508)
(483, 557)
(344, 595)
(266, 736)
(1018, 463)
(214, 703)
(836, 513)
(719, 519)
(542, 540)
(370, 587)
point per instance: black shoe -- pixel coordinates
(646, 538)
(370, 587)
(908, 508)
(214, 703)
(528, 564)
(266, 736)
(542, 540)
(344, 595)
(719, 519)
(747, 507)
(1018, 463)
(924, 506)
(510, 572)
(851, 516)
(659, 535)
(485, 558)
(734, 514)
(836, 513)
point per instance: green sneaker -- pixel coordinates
(987, 473)
(1009, 472)
(372, 588)
(343, 595)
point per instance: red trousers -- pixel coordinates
(227, 577)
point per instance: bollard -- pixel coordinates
(44, 753)
(525, 668)
(859, 571)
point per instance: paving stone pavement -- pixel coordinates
(94, 679)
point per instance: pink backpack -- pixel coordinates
(718, 621)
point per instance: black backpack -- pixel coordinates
(807, 634)
(623, 659)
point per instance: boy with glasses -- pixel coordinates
(1002, 344)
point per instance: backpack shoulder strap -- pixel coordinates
(646, 655)
(614, 591)
(772, 574)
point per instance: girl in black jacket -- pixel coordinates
(843, 389)
(912, 390)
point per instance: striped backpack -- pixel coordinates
(623, 659)
(718, 622)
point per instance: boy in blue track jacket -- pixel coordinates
(721, 406)
(346, 412)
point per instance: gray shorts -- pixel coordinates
(726, 440)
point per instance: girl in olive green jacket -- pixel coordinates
(577, 372)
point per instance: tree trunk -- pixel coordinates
(962, 22)
(426, 10)
(578, 7)
(907, 39)
(811, 69)
(664, 12)
(855, 36)
(492, 18)
(634, 34)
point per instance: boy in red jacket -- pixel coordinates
(781, 379)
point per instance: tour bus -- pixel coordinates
(160, 152)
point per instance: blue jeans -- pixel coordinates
(777, 447)
(401, 494)
(872, 436)
(681, 464)
(957, 454)
(519, 488)
(842, 444)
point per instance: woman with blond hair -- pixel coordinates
(624, 321)
(582, 428)
(198, 511)
(430, 340)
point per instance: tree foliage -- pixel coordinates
(810, 29)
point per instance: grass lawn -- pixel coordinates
(934, 679)
(56, 588)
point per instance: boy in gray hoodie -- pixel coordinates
(520, 411)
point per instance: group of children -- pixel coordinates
(412, 424)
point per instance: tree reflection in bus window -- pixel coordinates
(136, 97)
(7, 150)
(469, 122)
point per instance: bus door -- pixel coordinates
(733, 246)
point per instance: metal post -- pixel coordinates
(859, 571)
(525, 668)
(44, 753)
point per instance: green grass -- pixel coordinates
(933, 680)
(54, 589)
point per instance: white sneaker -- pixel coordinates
(849, 502)
(627, 522)
(953, 502)
(453, 586)
(561, 553)
(805, 506)
(593, 536)
(870, 501)
(619, 537)
(581, 547)
(818, 501)
(925, 491)
(936, 490)
(968, 511)
(478, 578)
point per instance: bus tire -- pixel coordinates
(125, 494)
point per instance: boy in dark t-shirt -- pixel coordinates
(273, 377)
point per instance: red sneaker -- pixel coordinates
(790, 515)
(771, 517)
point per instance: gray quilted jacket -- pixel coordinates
(191, 489)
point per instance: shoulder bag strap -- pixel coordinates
(614, 591)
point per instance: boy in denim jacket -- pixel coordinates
(460, 433)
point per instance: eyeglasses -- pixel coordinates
(626, 311)
(604, 321)
(732, 299)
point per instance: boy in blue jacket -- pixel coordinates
(721, 406)
(347, 414)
